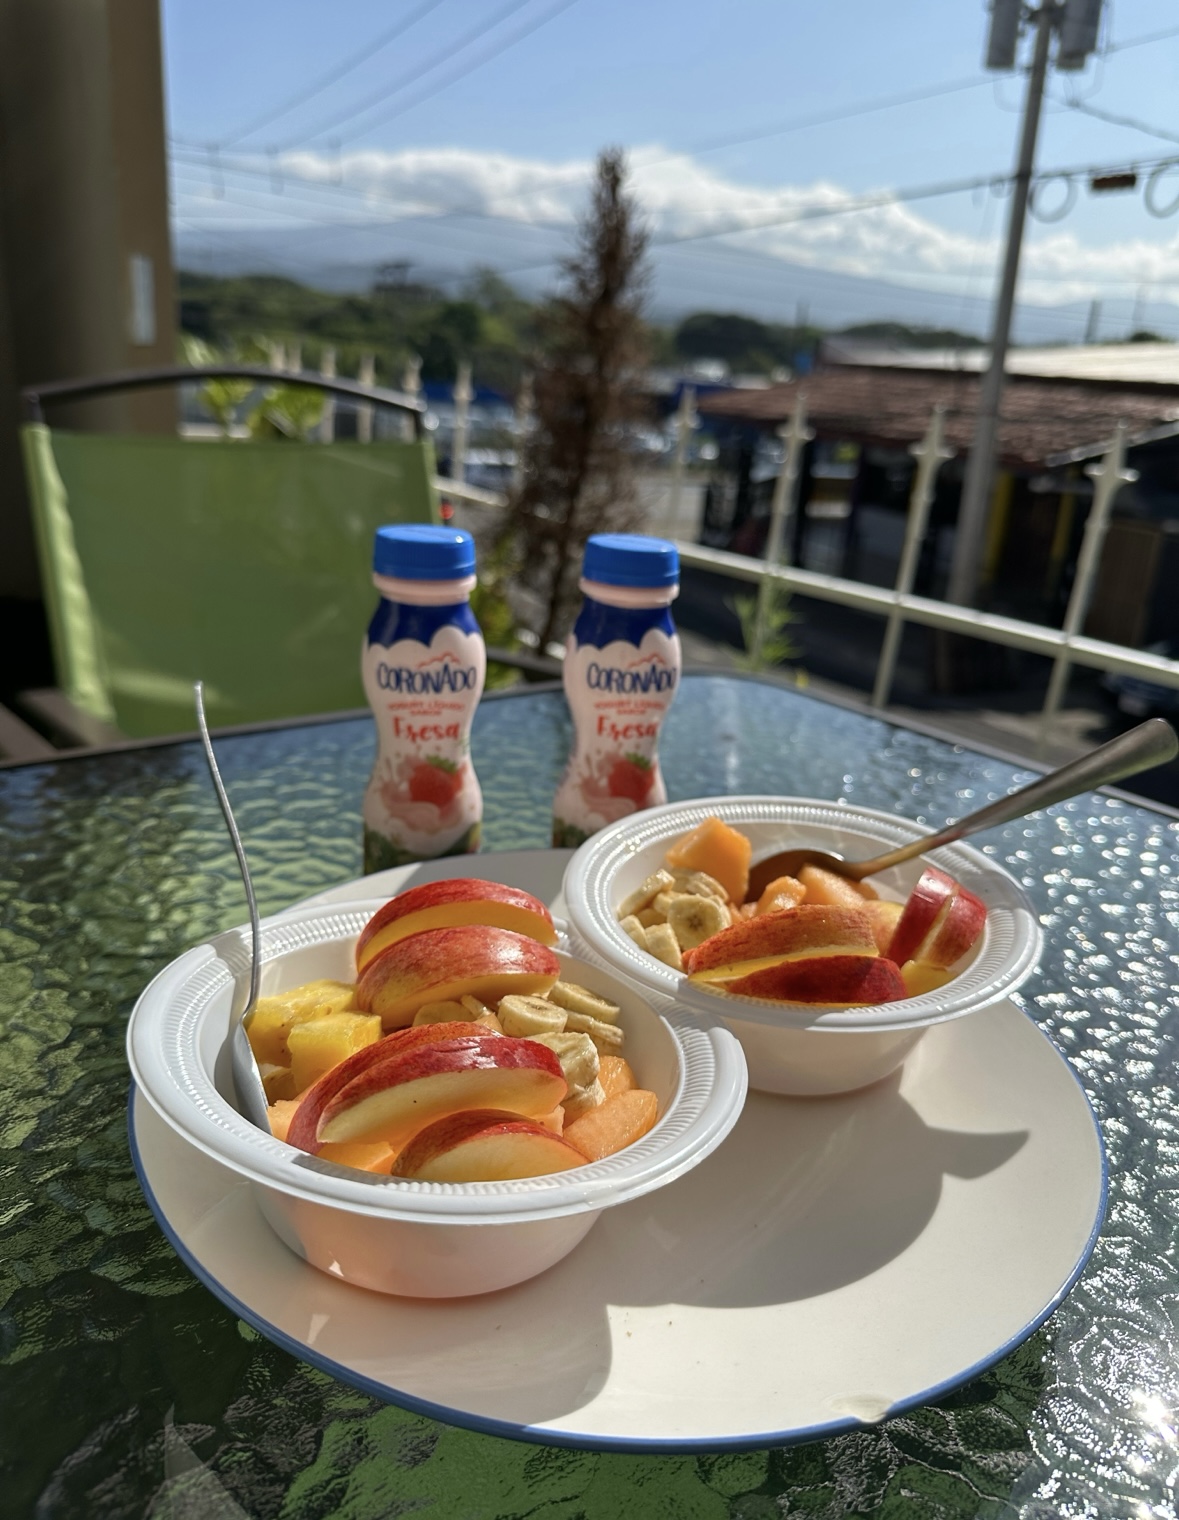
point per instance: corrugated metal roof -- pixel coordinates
(1041, 419)
(1115, 363)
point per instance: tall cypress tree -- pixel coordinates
(578, 474)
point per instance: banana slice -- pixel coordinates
(475, 1009)
(644, 894)
(694, 919)
(582, 1099)
(698, 884)
(651, 916)
(578, 999)
(662, 944)
(607, 1037)
(577, 1054)
(522, 1017)
(630, 925)
(662, 903)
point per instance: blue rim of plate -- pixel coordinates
(539, 1436)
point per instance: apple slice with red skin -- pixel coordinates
(809, 929)
(842, 980)
(305, 1121)
(443, 904)
(393, 1100)
(884, 917)
(953, 932)
(929, 897)
(484, 1145)
(441, 965)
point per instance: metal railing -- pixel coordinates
(1065, 646)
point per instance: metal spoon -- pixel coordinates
(246, 1077)
(1151, 743)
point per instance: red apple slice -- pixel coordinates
(440, 965)
(443, 904)
(954, 931)
(305, 1121)
(845, 980)
(929, 897)
(884, 917)
(395, 1099)
(485, 1145)
(810, 929)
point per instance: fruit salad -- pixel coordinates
(458, 1055)
(814, 938)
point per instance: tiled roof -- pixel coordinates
(891, 407)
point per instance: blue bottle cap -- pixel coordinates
(421, 552)
(630, 559)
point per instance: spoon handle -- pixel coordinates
(1151, 743)
(222, 798)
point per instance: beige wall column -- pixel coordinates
(86, 282)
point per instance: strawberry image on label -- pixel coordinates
(631, 776)
(435, 780)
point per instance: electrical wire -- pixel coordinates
(370, 49)
(1123, 121)
(410, 76)
(463, 70)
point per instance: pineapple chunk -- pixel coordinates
(319, 1044)
(274, 1017)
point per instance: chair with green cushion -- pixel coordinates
(246, 564)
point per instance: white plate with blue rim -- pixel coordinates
(835, 1262)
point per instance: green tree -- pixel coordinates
(578, 473)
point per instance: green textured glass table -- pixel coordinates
(128, 1390)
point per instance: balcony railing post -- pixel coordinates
(327, 423)
(685, 421)
(1108, 478)
(930, 454)
(366, 374)
(796, 436)
(411, 381)
(462, 404)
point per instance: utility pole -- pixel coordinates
(976, 487)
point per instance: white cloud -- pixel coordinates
(684, 198)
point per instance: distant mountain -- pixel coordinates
(688, 277)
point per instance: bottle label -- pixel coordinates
(423, 799)
(618, 695)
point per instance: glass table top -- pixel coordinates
(128, 1390)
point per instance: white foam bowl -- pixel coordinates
(419, 1239)
(795, 1047)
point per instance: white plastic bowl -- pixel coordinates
(794, 1047)
(419, 1239)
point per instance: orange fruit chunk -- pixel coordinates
(615, 1075)
(835, 891)
(782, 893)
(719, 851)
(617, 1123)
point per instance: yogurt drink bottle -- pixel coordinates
(423, 665)
(622, 668)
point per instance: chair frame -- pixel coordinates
(34, 398)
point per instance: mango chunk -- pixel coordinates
(615, 1075)
(319, 1044)
(782, 893)
(618, 1122)
(835, 891)
(718, 850)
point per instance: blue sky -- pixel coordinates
(510, 142)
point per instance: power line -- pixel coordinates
(822, 118)
(1123, 121)
(370, 49)
(411, 76)
(468, 68)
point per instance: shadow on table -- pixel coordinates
(835, 1189)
